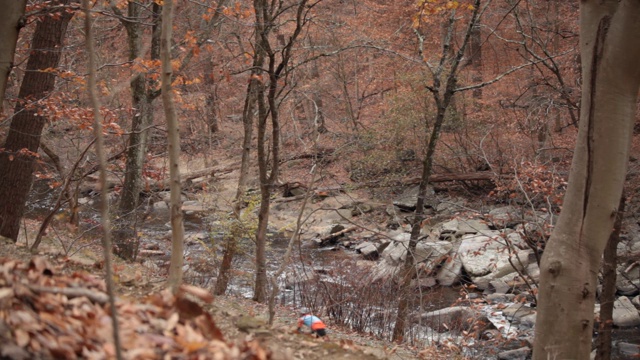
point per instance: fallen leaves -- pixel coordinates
(47, 315)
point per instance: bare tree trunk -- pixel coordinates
(230, 246)
(475, 58)
(442, 92)
(268, 109)
(104, 195)
(17, 161)
(177, 226)
(610, 51)
(11, 21)
(608, 295)
(212, 99)
(142, 98)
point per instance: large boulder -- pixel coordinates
(456, 228)
(408, 199)
(481, 252)
(505, 217)
(628, 282)
(624, 313)
(455, 318)
(428, 255)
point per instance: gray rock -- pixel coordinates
(160, 206)
(499, 286)
(451, 206)
(427, 256)
(624, 313)
(528, 321)
(499, 298)
(515, 312)
(479, 252)
(506, 216)
(516, 354)
(368, 249)
(456, 228)
(455, 318)
(628, 349)
(628, 282)
(424, 283)
(485, 256)
(636, 301)
(407, 201)
(450, 272)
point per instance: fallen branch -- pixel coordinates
(334, 235)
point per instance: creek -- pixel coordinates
(318, 277)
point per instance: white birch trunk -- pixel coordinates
(610, 48)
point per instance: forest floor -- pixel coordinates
(240, 320)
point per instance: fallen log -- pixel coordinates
(162, 185)
(474, 176)
(325, 239)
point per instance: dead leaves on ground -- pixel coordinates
(45, 315)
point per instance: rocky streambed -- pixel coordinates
(477, 265)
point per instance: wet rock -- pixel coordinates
(624, 313)
(515, 312)
(368, 249)
(160, 206)
(487, 252)
(407, 201)
(499, 286)
(516, 354)
(293, 278)
(423, 283)
(499, 298)
(451, 206)
(361, 209)
(628, 282)
(459, 227)
(528, 322)
(628, 350)
(450, 272)
(505, 217)
(455, 318)
(427, 255)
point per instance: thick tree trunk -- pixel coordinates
(610, 51)
(142, 104)
(11, 21)
(17, 161)
(177, 225)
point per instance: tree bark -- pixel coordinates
(177, 225)
(442, 89)
(142, 98)
(17, 160)
(100, 152)
(230, 246)
(610, 50)
(268, 112)
(11, 21)
(608, 295)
